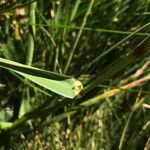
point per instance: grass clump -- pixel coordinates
(101, 45)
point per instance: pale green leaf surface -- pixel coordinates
(60, 84)
(67, 87)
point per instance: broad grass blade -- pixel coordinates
(63, 85)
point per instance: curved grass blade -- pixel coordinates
(63, 85)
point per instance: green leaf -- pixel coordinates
(63, 85)
(5, 125)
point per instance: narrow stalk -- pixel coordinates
(78, 36)
(31, 35)
(122, 139)
(30, 52)
(112, 48)
(91, 29)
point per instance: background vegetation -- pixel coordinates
(99, 43)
